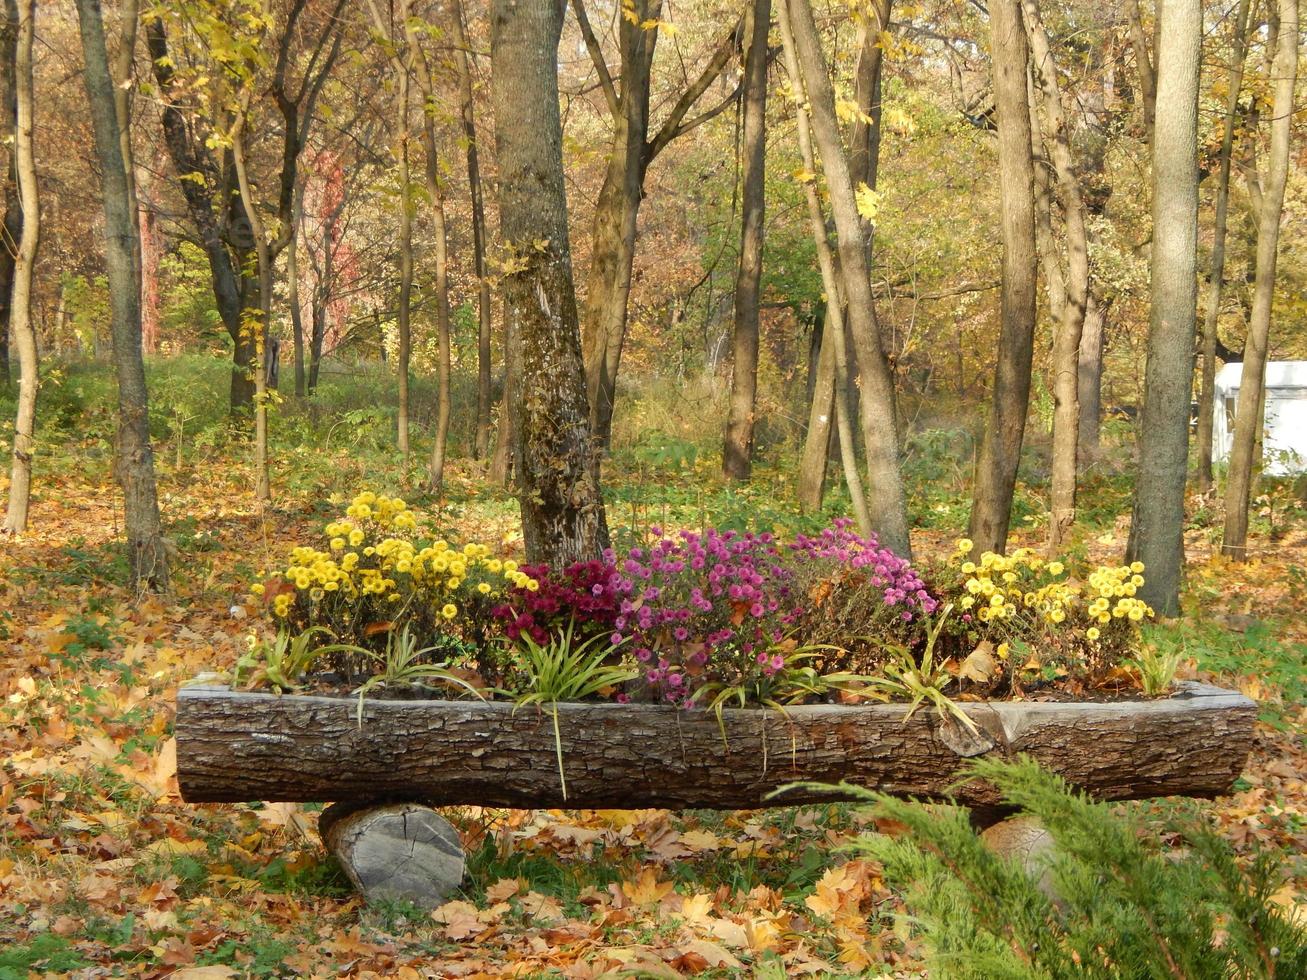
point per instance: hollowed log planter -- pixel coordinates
(237, 746)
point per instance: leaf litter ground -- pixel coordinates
(105, 872)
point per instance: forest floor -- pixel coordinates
(104, 871)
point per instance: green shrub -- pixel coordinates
(1122, 909)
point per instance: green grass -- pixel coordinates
(46, 954)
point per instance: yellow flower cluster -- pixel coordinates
(1026, 596)
(997, 585)
(367, 556)
(1113, 591)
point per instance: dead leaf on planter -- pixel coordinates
(980, 665)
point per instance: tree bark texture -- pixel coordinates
(22, 328)
(11, 222)
(1250, 408)
(1070, 324)
(555, 454)
(1090, 375)
(886, 502)
(1000, 450)
(235, 747)
(1216, 273)
(1157, 529)
(485, 319)
(134, 463)
(1144, 63)
(737, 452)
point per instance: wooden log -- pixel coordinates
(397, 851)
(238, 746)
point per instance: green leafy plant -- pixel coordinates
(563, 670)
(282, 662)
(1103, 903)
(922, 681)
(1157, 667)
(402, 664)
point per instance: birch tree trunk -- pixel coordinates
(1249, 409)
(737, 452)
(1216, 274)
(134, 464)
(21, 326)
(1000, 450)
(556, 458)
(1156, 531)
(886, 504)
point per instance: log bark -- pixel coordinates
(239, 746)
(398, 851)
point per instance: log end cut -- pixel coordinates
(395, 852)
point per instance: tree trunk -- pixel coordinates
(1000, 451)
(1144, 62)
(1216, 274)
(1248, 410)
(11, 223)
(134, 465)
(151, 250)
(886, 505)
(436, 192)
(22, 328)
(405, 261)
(737, 453)
(501, 463)
(1157, 529)
(198, 176)
(816, 442)
(1066, 339)
(485, 321)
(293, 293)
(395, 852)
(238, 746)
(1090, 374)
(557, 460)
(834, 344)
(262, 320)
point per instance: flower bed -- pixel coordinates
(697, 668)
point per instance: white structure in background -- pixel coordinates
(1284, 444)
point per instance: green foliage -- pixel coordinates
(282, 663)
(403, 664)
(1120, 910)
(46, 954)
(1157, 668)
(921, 680)
(565, 670)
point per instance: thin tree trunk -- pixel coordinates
(886, 504)
(1144, 62)
(501, 463)
(1216, 274)
(557, 460)
(150, 250)
(134, 466)
(737, 453)
(1066, 339)
(258, 365)
(1157, 529)
(11, 224)
(1090, 374)
(436, 192)
(293, 293)
(405, 262)
(20, 310)
(1000, 451)
(485, 320)
(1249, 409)
(834, 339)
(816, 443)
